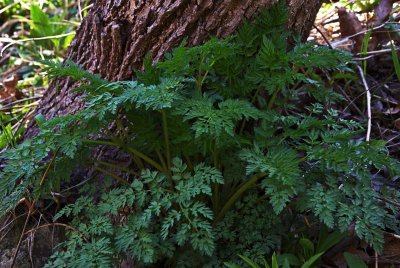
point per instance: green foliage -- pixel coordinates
(360, 6)
(395, 59)
(304, 253)
(31, 31)
(218, 158)
(43, 25)
(164, 219)
(284, 261)
(48, 34)
(354, 261)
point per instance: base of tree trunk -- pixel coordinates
(115, 36)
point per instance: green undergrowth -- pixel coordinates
(31, 31)
(224, 161)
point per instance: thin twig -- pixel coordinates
(114, 176)
(378, 52)
(12, 41)
(393, 145)
(351, 103)
(347, 38)
(88, 7)
(392, 235)
(323, 36)
(394, 102)
(368, 136)
(21, 100)
(80, 10)
(22, 107)
(111, 165)
(364, 58)
(12, 221)
(31, 245)
(392, 139)
(22, 234)
(75, 186)
(48, 167)
(19, 124)
(59, 224)
(390, 201)
(31, 209)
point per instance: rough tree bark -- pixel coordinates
(116, 35)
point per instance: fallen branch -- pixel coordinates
(368, 136)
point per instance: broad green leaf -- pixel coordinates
(307, 245)
(274, 261)
(354, 261)
(40, 120)
(395, 59)
(67, 40)
(251, 263)
(364, 49)
(40, 25)
(330, 240)
(290, 258)
(6, 136)
(232, 265)
(38, 16)
(312, 260)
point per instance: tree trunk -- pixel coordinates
(116, 35)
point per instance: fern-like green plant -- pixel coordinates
(220, 155)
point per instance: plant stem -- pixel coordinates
(162, 161)
(42, 180)
(129, 149)
(273, 98)
(138, 162)
(253, 100)
(166, 137)
(205, 75)
(114, 176)
(238, 193)
(145, 158)
(59, 224)
(188, 162)
(101, 142)
(198, 81)
(111, 165)
(216, 196)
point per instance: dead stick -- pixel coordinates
(59, 224)
(368, 136)
(22, 235)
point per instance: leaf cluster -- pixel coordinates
(218, 158)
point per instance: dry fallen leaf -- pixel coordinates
(10, 93)
(393, 110)
(350, 25)
(392, 247)
(397, 123)
(340, 261)
(382, 12)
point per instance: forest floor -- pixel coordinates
(333, 27)
(372, 92)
